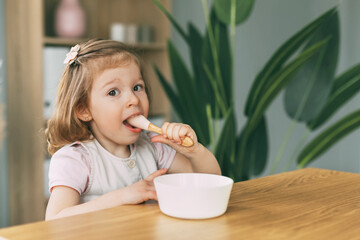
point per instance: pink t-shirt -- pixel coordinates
(86, 165)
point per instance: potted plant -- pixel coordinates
(303, 66)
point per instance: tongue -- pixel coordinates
(126, 123)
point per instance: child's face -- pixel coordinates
(117, 94)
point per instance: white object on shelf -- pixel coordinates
(118, 32)
(52, 71)
(126, 33)
(132, 33)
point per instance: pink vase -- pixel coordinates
(70, 19)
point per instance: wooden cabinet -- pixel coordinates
(29, 29)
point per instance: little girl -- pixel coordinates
(98, 159)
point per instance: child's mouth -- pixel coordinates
(131, 128)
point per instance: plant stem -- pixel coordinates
(232, 25)
(240, 159)
(217, 125)
(297, 149)
(220, 100)
(283, 145)
(211, 127)
(232, 40)
(214, 50)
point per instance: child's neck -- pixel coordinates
(122, 152)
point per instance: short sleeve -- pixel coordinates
(70, 167)
(166, 154)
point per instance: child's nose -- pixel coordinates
(132, 99)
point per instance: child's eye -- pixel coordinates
(113, 92)
(138, 88)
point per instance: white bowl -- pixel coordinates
(193, 195)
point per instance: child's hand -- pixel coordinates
(143, 190)
(174, 133)
(195, 158)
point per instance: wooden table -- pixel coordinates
(303, 204)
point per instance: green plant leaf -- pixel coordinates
(225, 60)
(217, 57)
(186, 88)
(307, 92)
(256, 150)
(181, 75)
(279, 80)
(195, 46)
(204, 89)
(275, 63)
(174, 99)
(171, 19)
(202, 86)
(243, 9)
(328, 138)
(345, 87)
(226, 143)
(180, 109)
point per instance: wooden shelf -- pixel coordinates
(56, 41)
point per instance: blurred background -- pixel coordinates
(36, 35)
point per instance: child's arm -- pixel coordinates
(64, 201)
(196, 158)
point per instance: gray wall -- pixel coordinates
(271, 23)
(3, 162)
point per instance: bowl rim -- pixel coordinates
(229, 183)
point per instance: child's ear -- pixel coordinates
(83, 113)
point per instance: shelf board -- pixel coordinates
(55, 41)
(69, 42)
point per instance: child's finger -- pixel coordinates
(169, 131)
(164, 128)
(156, 174)
(162, 139)
(151, 195)
(175, 133)
(185, 130)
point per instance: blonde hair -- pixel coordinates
(94, 56)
